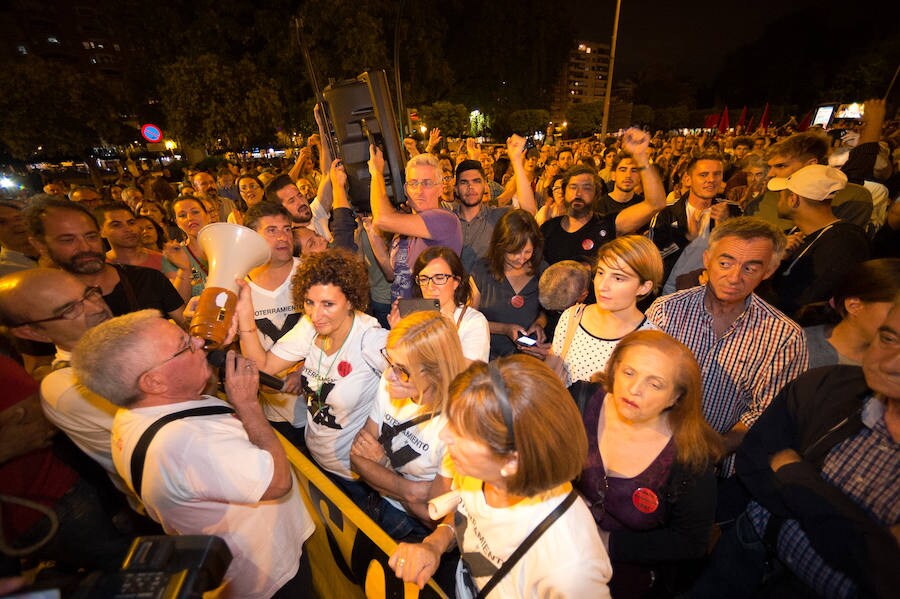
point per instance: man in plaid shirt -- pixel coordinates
(747, 350)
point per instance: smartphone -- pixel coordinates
(526, 340)
(407, 306)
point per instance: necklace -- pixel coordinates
(321, 377)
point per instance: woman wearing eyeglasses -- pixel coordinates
(513, 449)
(340, 347)
(648, 478)
(439, 274)
(398, 452)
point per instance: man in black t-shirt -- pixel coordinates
(68, 236)
(580, 232)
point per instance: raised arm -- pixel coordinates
(384, 215)
(242, 388)
(515, 148)
(637, 144)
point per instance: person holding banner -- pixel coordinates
(398, 452)
(522, 530)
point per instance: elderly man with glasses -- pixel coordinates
(427, 225)
(197, 467)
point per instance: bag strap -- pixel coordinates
(127, 288)
(385, 439)
(530, 540)
(461, 314)
(139, 455)
(571, 327)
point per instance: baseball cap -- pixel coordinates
(814, 182)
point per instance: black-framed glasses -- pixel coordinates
(438, 279)
(190, 346)
(71, 310)
(400, 372)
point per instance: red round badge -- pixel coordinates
(517, 301)
(587, 244)
(344, 368)
(645, 500)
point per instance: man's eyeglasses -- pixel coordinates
(190, 346)
(72, 310)
(400, 372)
(439, 279)
(427, 184)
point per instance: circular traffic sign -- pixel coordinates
(152, 133)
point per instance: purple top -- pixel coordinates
(445, 230)
(615, 502)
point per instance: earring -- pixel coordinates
(503, 472)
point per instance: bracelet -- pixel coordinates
(448, 525)
(253, 330)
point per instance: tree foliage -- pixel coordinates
(584, 119)
(526, 122)
(55, 112)
(212, 104)
(451, 119)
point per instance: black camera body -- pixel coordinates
(163, 567)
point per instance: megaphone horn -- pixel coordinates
(232, 251)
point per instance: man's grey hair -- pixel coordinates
(755, 161)
(424, 160)
(747, 228)
(111, 357)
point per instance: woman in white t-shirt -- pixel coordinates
(628, 269)
(398, 452)
(439, 274)
(512, 449)
(340, 347)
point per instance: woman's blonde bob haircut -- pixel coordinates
(427, 344)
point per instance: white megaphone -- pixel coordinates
(232, 251)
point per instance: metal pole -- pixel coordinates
(609, 76)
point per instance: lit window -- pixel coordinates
(52, 40)
(93, 61)
(87, 45)
(100, 45)
(116, 47)
(22, 50)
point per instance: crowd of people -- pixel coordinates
(646, 365)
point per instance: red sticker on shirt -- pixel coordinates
(645, 500)
(587, 244)
(344, 368)
(517, 301)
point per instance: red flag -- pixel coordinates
(743, 118)
(804, 124)
(750, 125)
(711, 121)
(764, 119)
(723, 121)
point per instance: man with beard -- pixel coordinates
(205, 188)
(580, 232)
(312, 217)
(67, 236)
(477, 219)
(625, 175)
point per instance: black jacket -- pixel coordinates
(811, 415)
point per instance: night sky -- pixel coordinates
(692, 37)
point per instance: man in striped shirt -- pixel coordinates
(747, 350)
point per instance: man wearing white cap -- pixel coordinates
(821, 247)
